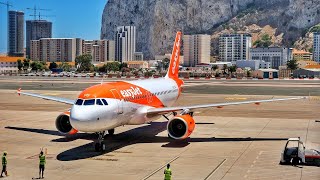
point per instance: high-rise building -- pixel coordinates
(277, 56)
(196, 49)
(233, 47)
(54, 49)
(316, 46)
(125, 42)
(15, 33)
(37, 29)
(100, 50)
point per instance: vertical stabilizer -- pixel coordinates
(173, 69)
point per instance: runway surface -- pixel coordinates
(236, 142)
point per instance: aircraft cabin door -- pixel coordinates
(119, 99)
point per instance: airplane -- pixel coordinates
(103, 107)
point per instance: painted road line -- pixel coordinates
(160, 168)
(215, 169)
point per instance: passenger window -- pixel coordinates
(104, 101)
(79, 102)
(99, 102)
(89, 102)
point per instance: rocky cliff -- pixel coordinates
(158, 20)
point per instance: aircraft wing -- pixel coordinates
(51, 98)
(219, 105)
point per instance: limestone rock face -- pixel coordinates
(158, 20)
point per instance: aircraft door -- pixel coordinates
(119, 99)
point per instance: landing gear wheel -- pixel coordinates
(111, 132)
(97, 147)
(102, 147)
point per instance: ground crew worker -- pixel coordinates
(4, 164)
(42, 163)
(167, 173)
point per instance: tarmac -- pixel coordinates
(235, 142)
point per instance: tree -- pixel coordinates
(214, 67)
(225, 67)
(123, 65)
(114, 66)
(232, 69)
(36, 65)
(20, 64)
(165, 63)
(265, 41)
(292, 64)
(53, 65)
(83, 62)
(65, 66)
(26, 64)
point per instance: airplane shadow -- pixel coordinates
(144, 134)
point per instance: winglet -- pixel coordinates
(19, 91)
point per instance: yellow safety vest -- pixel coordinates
(167, 174)
(42, 159)
(4, 161)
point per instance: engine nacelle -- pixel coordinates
(63, 124)
(181, 126)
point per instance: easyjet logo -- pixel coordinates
(176, 55)
(132, 92)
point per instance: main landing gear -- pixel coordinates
(100, 146)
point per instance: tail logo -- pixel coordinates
(176, 56)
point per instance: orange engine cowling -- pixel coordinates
(181, 126)
(63, 124)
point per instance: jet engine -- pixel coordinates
(181, 126)
(63, 124)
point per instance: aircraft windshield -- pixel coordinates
(90, 102)
(79, 102)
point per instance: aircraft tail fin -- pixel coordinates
(173, 70)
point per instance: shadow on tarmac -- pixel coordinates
(143, 134)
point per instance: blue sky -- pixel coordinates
(73, 18)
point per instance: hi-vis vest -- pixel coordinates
(167, 174)
(42, 159)
(4, 161)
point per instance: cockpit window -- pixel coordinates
(89, 102)
(104, 101)
(99, 102)
(79, 102)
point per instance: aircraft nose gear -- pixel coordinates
(100, 146)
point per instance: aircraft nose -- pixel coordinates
(82, 119)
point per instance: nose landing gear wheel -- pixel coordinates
(97, 147)
(111, 132)
(100, 146)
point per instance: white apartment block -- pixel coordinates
(100, 50)
(234, 47)
(316, 47)
(125, 43)
(196, 49)
(53, 49)
(276, 56)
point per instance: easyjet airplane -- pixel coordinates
(105, 106)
